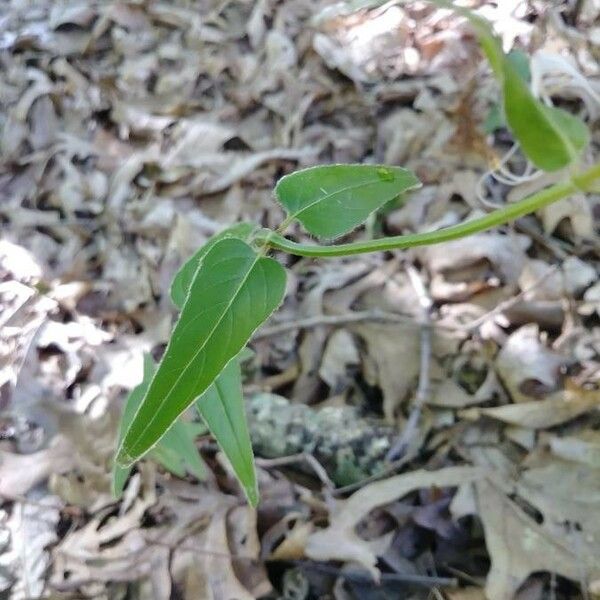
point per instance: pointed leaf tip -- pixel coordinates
(233, 292)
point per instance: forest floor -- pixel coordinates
(426, 422)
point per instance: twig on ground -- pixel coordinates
(390, 317)
(319, 320)
(390, 470)
(309, 459)
(509, 303)
(426, 580)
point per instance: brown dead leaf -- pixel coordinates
(21, 472)
(392, 360)
(243, 541)
(293, 546)
(449, 394)
(576, 210)
(518, 546)
(220, 573)
(527, 367)
(542, 414)
(339, 541)
(565, 492)
(340, 353)
(548, 283)
(504, 253)
(331, 277)
(583, 447)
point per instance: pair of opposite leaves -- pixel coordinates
(225, 292)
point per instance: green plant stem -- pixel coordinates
(577, 183)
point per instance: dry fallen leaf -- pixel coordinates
(527, 367)
(220, 570)
(504, 253)
(31, 529)
(518, 546)
(340, 353)
(545, 282)
(21, 472)
(583, 447)
(133, 131)
(339, 541)
(542, 414)
(293, 546)
(392, 362)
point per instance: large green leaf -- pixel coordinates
(551, 138)
(331, 200)
(222, 408)
(176, 451)
(233, 292)
(183, 278)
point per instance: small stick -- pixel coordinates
(399, 577)
(319, 320)
(391, 469)
(309, 459)
(389, 317)
(509, 303)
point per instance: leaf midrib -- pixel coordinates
(187, 366)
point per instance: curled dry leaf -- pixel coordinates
(527, 367)
(339, 354)
(504, 253)
(293, 546)
(576, 211)
(220, 568)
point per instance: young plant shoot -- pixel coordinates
(231, 286)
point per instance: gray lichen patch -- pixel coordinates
(348, 446)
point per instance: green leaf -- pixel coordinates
(550, 137)
(232, 293)
(176, 451)
(520, 62)
(183, 278)
(332, 200)
(222, 408)
(494, 120)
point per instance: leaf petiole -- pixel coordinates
(559, 191)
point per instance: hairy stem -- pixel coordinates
(577, 183)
